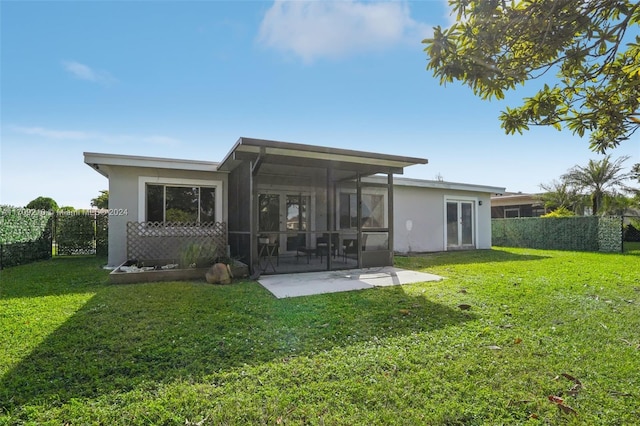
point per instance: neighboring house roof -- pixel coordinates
(515, 199)
(278, 153)
(96, 160)
(438, 184)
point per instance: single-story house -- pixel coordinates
(516, 204)
(288, 207)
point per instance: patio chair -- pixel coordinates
(322, 246)
(349, 247)
(302, 249)
(269, 249)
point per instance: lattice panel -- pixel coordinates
(147, 241)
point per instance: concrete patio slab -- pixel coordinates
(310, 283)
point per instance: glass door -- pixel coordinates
(297, 220)
(269, 213)
(281, 216)
(460, 224)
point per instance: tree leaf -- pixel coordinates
(555, 399)
(567, 410)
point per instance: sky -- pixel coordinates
(186, 79)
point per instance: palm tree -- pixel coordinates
(560, 194)
(599, 178)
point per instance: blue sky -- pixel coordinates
(186, 79)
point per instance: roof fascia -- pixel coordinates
(434, 184)
(245, 146)
(95, 160)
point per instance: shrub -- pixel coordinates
(560, 212)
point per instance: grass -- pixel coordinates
(77, 350)
(632, 247)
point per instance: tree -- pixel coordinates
(635, 170)
(559, 195)
(600, 178)
(101, 201)
(43, 203)
(496, 45)
(617, 205)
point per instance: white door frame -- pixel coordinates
(282, 192)
(474, 206)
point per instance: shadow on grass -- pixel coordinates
(141, 335)
(462, 257)
(53, 277)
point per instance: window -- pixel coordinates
(537, 211)
(172, 203)
(348, 211)
(512, 212)
(372, 211)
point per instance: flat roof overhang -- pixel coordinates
(101, 162)
(262, 151)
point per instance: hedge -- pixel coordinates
(25, 235)
(75, 233)
(580, 233)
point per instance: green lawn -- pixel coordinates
(632, 247)
(77, 350)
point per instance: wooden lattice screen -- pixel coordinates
(168, 241)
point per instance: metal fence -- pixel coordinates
(630, 233)
(80, 233)
(60, 233)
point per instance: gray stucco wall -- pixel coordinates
(124, 194)
(419, 218)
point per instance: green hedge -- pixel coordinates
(102, 234)
(25, 235)
(580, 233)
(74, 233)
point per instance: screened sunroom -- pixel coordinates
(297, 208)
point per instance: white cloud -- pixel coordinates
(51, 134)
(84, 72)
(315, 29)
(110, 138)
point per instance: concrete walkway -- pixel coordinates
(309, 283)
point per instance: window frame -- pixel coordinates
(512, 210)
(366, 193)
(143, 181)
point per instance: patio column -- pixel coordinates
(331, 214)
(359, 214)
(253, 220)
(390, 215)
